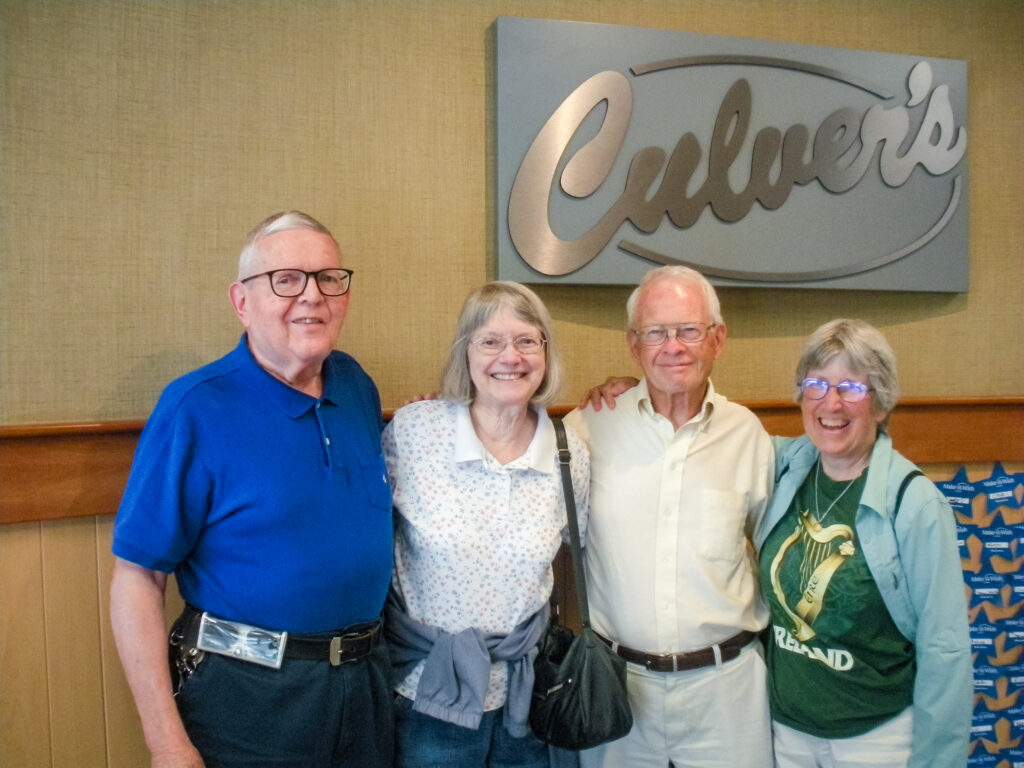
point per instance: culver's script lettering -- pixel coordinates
(837, 154)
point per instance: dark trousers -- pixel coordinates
(307, 714)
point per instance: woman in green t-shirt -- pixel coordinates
(869, 653)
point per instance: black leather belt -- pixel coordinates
(677, 662)
(340, 647)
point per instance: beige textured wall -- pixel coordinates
(139, 141)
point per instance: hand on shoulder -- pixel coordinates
(420, 398)
(605, 394)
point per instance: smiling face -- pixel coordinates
(291, 337)
(675, 368)
(510, 378)
(844, 432)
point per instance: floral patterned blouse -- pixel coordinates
(474, 539)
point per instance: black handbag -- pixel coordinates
(579, 689)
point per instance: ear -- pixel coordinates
(719, 335)
(633, 342)
(239, 302)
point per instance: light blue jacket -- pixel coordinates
(916, 564)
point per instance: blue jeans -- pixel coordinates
(422, 741)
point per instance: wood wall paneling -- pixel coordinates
(73, 470)
(24, 677)
(63, 697)
(64, 702)
(71, 612)
(64, 470)
(934, 430)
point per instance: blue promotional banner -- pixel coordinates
(990, 532)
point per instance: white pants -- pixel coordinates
(887, 746)
(715, 717)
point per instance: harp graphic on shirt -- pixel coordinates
(825, 549)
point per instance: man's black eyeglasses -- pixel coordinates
(289, 283)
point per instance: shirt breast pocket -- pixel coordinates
(723, 520)
(374, 476)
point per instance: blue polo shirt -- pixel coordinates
(271, 507)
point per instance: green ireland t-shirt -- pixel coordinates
(837, 664)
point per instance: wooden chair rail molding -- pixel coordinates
(53, 471)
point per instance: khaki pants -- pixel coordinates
(714, 717)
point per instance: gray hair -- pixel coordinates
(677, 274)
(278, 222)
(864, 349)
(480, 307)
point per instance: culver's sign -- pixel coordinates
(757, 163)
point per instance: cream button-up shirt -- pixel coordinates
(668, 563)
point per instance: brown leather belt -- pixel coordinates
(677, 662)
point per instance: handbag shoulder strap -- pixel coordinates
(903, 489)
(574, 527)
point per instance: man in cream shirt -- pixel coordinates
(680, 478)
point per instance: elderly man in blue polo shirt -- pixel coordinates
(259, 483)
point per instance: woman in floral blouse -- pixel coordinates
(479, 517)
